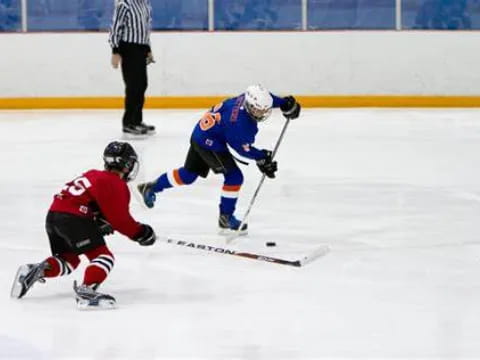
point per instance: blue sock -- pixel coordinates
(231, 188)
(161, 183)
(173, 178)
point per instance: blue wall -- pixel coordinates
(258, 15)
(10, 15)
(95, 15)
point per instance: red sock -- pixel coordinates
(62, 264)
(101, 263)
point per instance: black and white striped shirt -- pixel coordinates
(132, 21)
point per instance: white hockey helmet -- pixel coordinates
(258, 102)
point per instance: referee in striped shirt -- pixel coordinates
(130, 42)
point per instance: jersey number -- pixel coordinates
(209, 120)
(79, 186)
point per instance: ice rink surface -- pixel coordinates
(394, 194)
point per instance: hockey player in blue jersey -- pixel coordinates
(233, 122)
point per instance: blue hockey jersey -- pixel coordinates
(229, 123)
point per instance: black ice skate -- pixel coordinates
(229, 224)
(88, 298)
(148, 195)
(26, 276)
(149, 128)
(136, 130)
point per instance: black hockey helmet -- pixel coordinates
(121, 156)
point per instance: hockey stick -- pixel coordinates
(297, 263)
(237, 233)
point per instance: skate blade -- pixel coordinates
(128, 136)
(232, 233)
(17, 290)
(85, 305)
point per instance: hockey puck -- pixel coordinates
(271, 243)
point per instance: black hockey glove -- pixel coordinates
(103, 225)
(291, 108)
(146, 237)
(266, 165)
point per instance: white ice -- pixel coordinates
(395, 194)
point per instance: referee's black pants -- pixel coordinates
(134, 72)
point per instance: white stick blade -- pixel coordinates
(321, 251)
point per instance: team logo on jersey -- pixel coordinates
(209, 142)
(83, 209)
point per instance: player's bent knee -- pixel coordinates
(61, 264)
(188, 177)
(71, 259)
(234, 177)
(98, 251)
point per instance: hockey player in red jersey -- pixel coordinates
(88, 208)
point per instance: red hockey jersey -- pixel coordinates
(104, 189)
